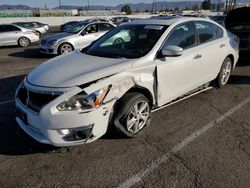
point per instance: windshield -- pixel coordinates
(76, 28)
(128, 41)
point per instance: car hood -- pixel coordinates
(74, 69)
(58, 36)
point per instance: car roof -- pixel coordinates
(166, 21)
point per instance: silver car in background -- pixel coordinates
(78, 36)
(39, 29)
(11, 34)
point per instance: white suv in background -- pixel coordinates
(74, 98)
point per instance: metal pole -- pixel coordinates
(60, 4)
(153, 5)
(88, 5)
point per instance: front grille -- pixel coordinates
(35, 100)
(43, 42)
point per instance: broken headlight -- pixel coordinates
(83, 101)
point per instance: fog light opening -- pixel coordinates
(76, 134)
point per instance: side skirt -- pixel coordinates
(200, 89)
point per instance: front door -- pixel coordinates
(179, 75)
(88, 35)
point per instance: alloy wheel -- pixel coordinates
(138, 116)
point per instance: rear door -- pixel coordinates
(212, 47)
(10, 34)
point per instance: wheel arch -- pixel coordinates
(23, 37)
(232, 59)
(144, 91)
(64, 42)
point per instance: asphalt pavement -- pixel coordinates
(203, 141)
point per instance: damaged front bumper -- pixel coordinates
(62, 128)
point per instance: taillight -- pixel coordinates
(35, 33)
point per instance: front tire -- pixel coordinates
(132, 114)
(24, 42)
(224, 74)
(118, 41)
(65, 48)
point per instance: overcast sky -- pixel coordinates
(54, 3)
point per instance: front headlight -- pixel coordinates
(83, 101)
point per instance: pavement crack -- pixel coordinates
(195, 173)
(239, 124)
(152, 145)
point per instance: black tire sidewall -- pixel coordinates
(23, 38)
(123, 108)
(59, 48)
(219, 79)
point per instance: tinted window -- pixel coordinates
(206, 32)
(91, 28)
(105, 27)
(1, 28)
(219, 31)
(75, 28)
(128, 41)
(8, 28)
(182, 36)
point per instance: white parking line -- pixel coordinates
(7, 101)
(155, 164)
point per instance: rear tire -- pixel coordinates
(132, 114)
(224, 74)
(24, 42)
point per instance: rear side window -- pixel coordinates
(105, 27)
(8, 28)
(182, 36)
(205, 31)
(219, 31)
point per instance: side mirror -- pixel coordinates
(84, 33)
(172, 51)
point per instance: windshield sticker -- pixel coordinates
(155, 27)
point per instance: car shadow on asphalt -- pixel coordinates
(244, 59)
(239, 80)
(14, 141)
(30, 53)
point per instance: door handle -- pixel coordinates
(222, 45)
(198, 56)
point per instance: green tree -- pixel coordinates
(126, 9)
(206, 5)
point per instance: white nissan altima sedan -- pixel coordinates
(121, 78)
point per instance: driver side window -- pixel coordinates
(91, 28)
(182, 36)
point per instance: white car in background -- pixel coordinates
(75, 37)
(74, 98)
(11, 34)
